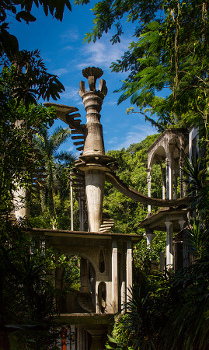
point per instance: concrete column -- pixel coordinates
(72, 337)
(21, 210)
(163, 184)
(181, 165)
(97, 297)
(170, 176)
(123, 283)
(94, 181)
(149, 189)
(175, 184)
(167, 177)
(81, 213)
(169, 244)
(81, 338)
(129, 277)
(108, 308)
(123, 296)
(71, 204)
(114, 276)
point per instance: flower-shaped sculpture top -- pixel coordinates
(92, 74)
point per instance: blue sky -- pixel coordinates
(64, 53)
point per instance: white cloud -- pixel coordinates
(70, 93)
(102, 53)
(68, 48)
(111, 103)
(70, 35)
(140, 133)
(60, 71)
(112, 141)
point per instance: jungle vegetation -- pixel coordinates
(169, 50)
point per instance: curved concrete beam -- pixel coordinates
(138, 197)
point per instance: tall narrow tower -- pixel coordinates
(93, 160)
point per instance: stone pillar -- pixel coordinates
(80, 338)
(149, 189)
(123, 281)
(97, 296)
(114, 276)
(71, 202)
(181, 165)
(169, 244)
(170, 176)
(81, 213)
(72, 337)
(123, 296)
(175, 184)
(167, 177)
(129, 280)
(21, 210)
(94, 184)
(20, 195)
(163, 184)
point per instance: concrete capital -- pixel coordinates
(181, 223)
(168, 224)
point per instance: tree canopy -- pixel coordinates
(169, 50)
(22, 11)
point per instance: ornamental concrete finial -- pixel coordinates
(92, 74)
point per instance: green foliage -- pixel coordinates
(161, 56)
(18, 124)
(72, 273)
(21, 10)
(145, 257)
(170, 311)
(132, 165)
(166, 313)
(26, 289)
(52, 199)
(25, 78)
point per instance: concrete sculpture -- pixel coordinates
(106, 258)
